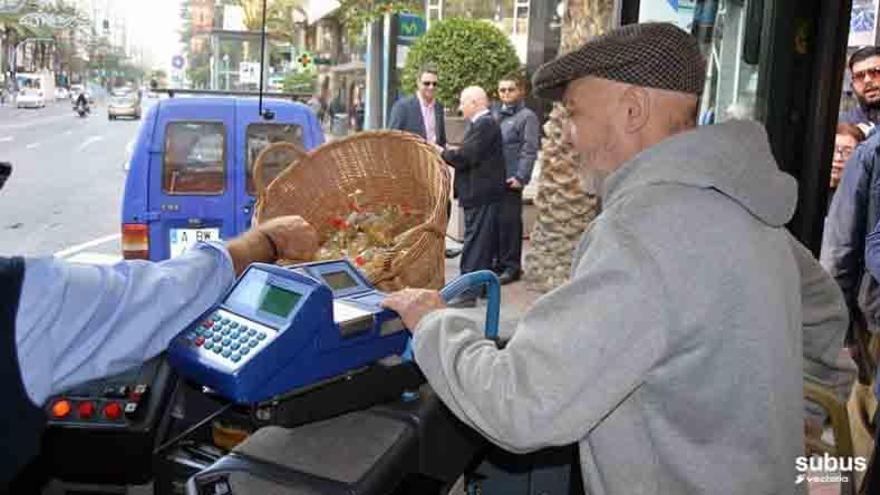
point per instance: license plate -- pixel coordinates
(179, 240)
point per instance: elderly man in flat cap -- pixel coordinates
(674, 355)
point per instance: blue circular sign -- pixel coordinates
(177, 62)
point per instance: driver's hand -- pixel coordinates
(288, 237)
(413, 304)
(292, 237)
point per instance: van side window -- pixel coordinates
(195, 158)
(261, 135)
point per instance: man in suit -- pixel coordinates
(421, 113)
(479, 183)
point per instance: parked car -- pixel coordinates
(61, 93)
(190, 174)
(124, 102)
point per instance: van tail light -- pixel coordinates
(135, 241)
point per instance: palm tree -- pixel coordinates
(565, 205)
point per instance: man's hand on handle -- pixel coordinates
(414, 304)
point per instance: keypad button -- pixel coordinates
(252, 332)
(217, 337)
(200, 340)
(243, 339)
(261, 336)
(224, 321)
(217, 349)
(216, 317)
(209, 345)
(226, 341)
(234, 325)
(253, 343)
(236, 358)
(227, 353)
(245, 350)
(235, 334)
(235, 346)
(209, 334)
(244, 328)
(225, 331)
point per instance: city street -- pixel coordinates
(65, 192)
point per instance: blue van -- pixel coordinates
(190, 177)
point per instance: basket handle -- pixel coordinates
(259, 186)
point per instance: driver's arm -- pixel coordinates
(77, 322)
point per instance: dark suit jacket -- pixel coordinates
(406, 115)
(479, 164)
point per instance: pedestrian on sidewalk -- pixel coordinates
(479, 183)
(521, 133)
(674, 356)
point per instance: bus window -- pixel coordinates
(194, 160)
(261, 135)
(729, 35)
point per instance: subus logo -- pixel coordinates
(833, 469)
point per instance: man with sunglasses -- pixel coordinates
(521, 134)
(421, 113)
(864, 65)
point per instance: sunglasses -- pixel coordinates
(428, 84)
(506, 90)
(873, 73)
(5, 172)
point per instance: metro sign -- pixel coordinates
(38, 19)
(11, 6)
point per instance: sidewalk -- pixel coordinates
(515, 298)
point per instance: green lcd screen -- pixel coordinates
(278, 301)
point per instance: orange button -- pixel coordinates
(112, 411)
(60, 408)
(86, 409)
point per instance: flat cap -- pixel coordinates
(650, 55)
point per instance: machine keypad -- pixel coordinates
(225, 337)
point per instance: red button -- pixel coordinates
(86, 410)
(112, 411)
(61, 408)
(208, 323)
(200, 340)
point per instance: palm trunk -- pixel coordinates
(565, 206)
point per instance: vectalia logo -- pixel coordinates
(833, 469)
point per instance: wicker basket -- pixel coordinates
(389, 168)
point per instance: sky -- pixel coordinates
(154, 25)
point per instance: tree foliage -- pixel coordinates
(465, 53)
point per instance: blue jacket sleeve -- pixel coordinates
(872, 252)
(843, 240)
(78, 322)
(528, 153)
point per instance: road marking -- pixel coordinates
(93, 139)
(32, 146)
(86, 245)
(95, 258)
(6, 139)
(31, 123)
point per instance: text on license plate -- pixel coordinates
(181, 239)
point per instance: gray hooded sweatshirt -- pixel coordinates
(674, 355)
